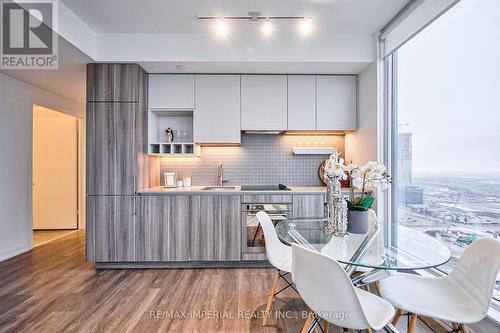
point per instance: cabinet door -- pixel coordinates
(217, 115)
(301, 102)
(112, 82)
(165, 231)
(205, 217)
(111, 229)
(171, 91)
(308, 206)
(336, 102)
(215, 228)
(264, 102)
(230, 228)
(111, 151)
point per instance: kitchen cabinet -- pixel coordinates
(113, 82)
(111, 148)
(217, 115)
(111, 229)
(264, 102)
(336, 102)
(301, 102)
(215, 228)
(164, 230)
(170, 91)
(308, 205)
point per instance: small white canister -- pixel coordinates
(180, 183)
(187, 181)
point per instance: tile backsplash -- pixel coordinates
(260, 160)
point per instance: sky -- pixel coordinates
(449, 91)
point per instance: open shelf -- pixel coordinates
(181, 123)
(174, 149)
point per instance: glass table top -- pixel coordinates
(409, 250)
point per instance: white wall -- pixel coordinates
(16, 117)
(361, 146)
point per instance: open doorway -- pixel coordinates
(55, 174)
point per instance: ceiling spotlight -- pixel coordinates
(306, 26)
(221, 27)
(267, 28)
(180, 67)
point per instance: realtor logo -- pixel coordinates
(28, 40)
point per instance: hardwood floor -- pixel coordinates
(53, 289)
(43, 236)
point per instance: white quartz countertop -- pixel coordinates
(236, 191)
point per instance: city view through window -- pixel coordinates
(448, 140)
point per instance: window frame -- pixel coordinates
(388, 126)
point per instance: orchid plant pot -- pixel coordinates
(357, 221)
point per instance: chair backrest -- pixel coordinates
(325, 287)
(276, 251)
(476, 273)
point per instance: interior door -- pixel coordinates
(55, 170)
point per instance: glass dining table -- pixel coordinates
(402, 249)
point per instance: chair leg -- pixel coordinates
(367, 288)
(326, 326)
(463, 329)
(377, 288)
(396, 317)
(369, 330)
(308, 322)
(455, 327)
(413, 323)
(271, 297)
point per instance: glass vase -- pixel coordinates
(336, 220)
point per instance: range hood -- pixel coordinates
(263, 132)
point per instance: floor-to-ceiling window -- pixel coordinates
(446, 129)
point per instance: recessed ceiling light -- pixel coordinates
(267, 28)
(221, 28)
(180, 67)
(306, 26)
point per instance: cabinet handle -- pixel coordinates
(135, 206)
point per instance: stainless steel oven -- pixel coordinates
(252, 236)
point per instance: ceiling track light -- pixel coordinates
(253, 16)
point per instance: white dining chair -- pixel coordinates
(328, 291)
(279, 255)
(461, 297)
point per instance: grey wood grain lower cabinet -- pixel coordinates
(111, 151)
(111, 224)
(215, 228)
(308, 205)
(164, 228)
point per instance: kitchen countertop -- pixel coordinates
(160, 190)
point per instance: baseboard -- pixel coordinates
(182, 264)
(14, 251)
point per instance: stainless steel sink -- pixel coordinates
(218, 188)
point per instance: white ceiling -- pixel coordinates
(178, 16)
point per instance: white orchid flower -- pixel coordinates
(357, 183)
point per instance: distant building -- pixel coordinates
(404, 159)
(409, 194)
(412, 195)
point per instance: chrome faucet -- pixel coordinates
(220, 175)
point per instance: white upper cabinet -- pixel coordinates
(264, 102)
(301, 102)
(217, 114)
(336, 102)
(168, 91)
